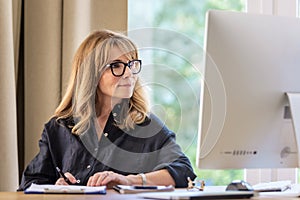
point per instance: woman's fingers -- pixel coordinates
(101, 178)
(97, 178)
(71, 178)
(61, 181)
(104, 178)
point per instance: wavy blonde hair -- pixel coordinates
(88, 65)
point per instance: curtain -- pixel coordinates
(8, 110)
(37, 42)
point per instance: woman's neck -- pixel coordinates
(105, 106)
(103, 110)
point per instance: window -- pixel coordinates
(168, 68)
(298, 8)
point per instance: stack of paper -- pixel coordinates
(69, 189)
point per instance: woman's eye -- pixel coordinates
(116, 65)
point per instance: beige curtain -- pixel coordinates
(53, 29)
(8, 116)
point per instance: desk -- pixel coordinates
(111, 195)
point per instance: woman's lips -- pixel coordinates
(125, 85)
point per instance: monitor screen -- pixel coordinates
(251, 62)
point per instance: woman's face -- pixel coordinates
(117, 87)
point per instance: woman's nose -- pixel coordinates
(127, 72)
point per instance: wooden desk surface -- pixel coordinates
(111, 195)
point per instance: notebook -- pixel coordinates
(64, 189)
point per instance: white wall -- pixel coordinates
(273, 7)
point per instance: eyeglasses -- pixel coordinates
(118, 68)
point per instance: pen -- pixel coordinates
(145, 187)
(64, 176)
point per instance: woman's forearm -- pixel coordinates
(160, 177)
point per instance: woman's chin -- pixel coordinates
(124, 95)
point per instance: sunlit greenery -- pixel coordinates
(179, 81)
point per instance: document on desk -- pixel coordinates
(64, 189)
(127, 189)
(195, 195)
(294, 191)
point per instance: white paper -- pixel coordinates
(35, 188)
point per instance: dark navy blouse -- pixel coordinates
(149, 147)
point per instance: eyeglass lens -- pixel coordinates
(118, 68)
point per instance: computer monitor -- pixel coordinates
(251, 62)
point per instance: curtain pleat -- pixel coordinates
(42, 62)
(8, 118)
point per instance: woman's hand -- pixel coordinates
(108, 178)
(61, 181)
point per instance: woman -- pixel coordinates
(102, 132)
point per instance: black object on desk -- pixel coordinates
(127, 189)
(239, 185)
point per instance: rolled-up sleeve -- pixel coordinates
(171, 158)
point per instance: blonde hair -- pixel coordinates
(88, 65)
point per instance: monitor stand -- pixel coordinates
(255, 176)
(294, 101)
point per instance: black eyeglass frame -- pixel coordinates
(124, 68)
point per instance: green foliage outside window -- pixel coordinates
(179, 97)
